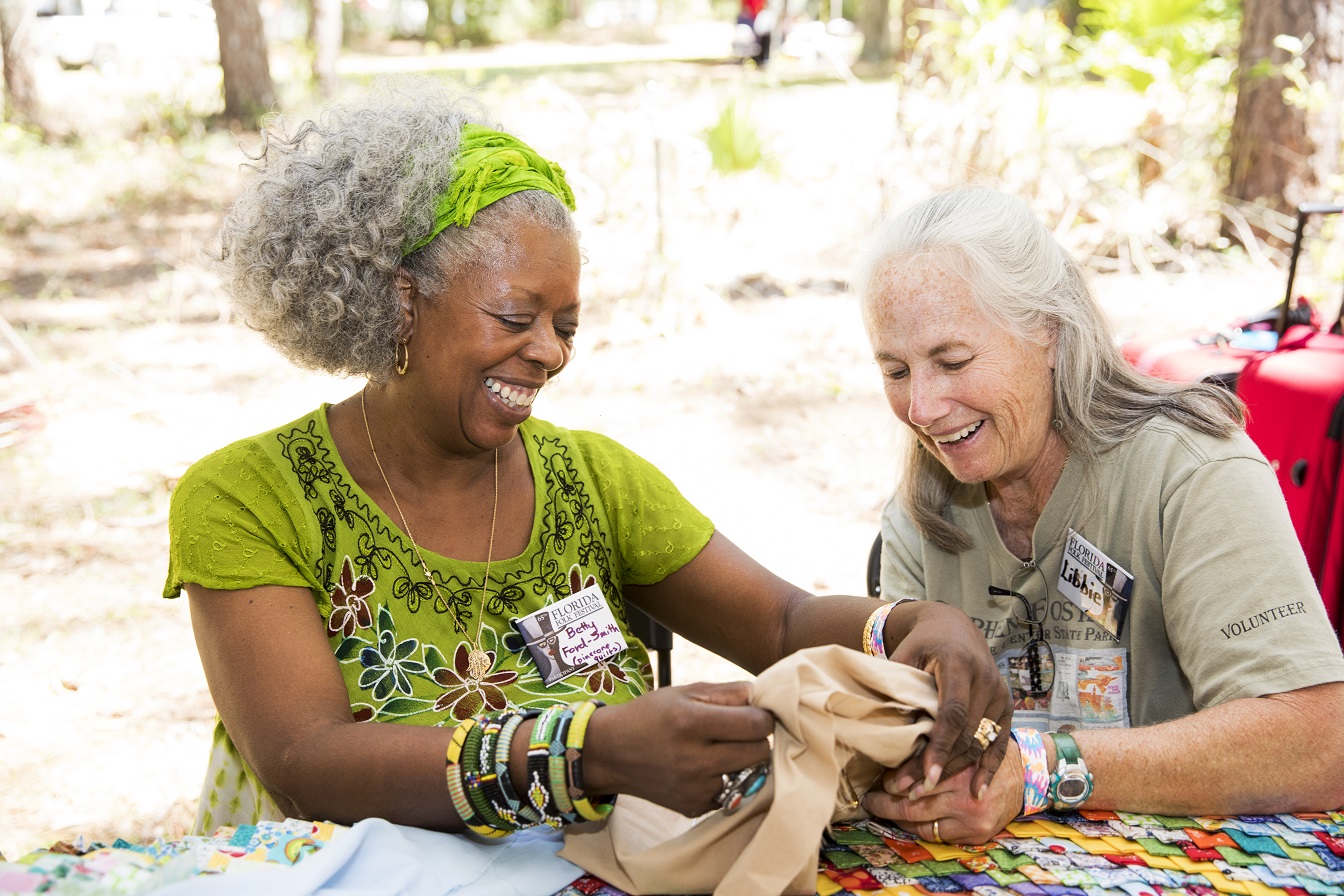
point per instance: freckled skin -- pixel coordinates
(947, 366)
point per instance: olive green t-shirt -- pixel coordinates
(1223, 605)
(281, 509)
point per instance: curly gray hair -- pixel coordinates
(310, 250)
(1022, 278)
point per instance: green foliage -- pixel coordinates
(734, 140)
(1144, 41)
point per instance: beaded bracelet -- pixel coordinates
(513, 805)
(486, 795)
(490, 824)
(538, 766)
(1035, 772)
(578, 729)
(557, 771)
(456, 787)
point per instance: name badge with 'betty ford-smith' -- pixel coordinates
(571, 635)
(1095, 583)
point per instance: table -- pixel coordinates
(1085, 854)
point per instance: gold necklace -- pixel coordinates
(478, 661)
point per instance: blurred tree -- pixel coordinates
(439, 21)
(22, 105)
(875, 26)
(324, 36)
(1285, 142)
(249, 91)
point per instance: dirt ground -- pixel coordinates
(719, 342)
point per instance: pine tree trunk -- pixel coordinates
(21, 104)
(325, 33)
(1280, 154)
(248, 90)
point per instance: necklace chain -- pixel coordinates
(478, 662)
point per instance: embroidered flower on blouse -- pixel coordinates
(602, 680)
(349, 606)
(389, 666)
(463, 696)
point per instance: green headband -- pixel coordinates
(489, 166)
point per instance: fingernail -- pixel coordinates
(935, 772)
(903, 784)
(980, 794)
(917, 791)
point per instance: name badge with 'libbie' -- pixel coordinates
(571, 635)
(1095, 583)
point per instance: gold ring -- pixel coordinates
(936, 837)
(986, 733)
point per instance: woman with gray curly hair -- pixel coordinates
(425, 569)
(1119, 541)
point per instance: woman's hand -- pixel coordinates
(944, 642)
(672, 746)
(961, 817)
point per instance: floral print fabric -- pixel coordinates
(282, 509)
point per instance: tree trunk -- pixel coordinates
(875, 26)
(1281, 154)
(324, 33)
(21, 104)
(248, 90)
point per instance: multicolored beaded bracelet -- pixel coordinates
(578, 729)
(538, 766)
(874, 630)
(1035, 772)
(513, 805)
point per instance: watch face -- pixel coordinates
(1071, 789)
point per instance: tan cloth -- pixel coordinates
(840, 717)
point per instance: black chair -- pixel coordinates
(656, 637)
(875, 568)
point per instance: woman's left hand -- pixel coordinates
(960, 816)
(944, 642)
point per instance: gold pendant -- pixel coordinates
(478, 663)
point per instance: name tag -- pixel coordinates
(571, 635)
(1095, 583)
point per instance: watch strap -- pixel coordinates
(1066, 748)
(1069, 769)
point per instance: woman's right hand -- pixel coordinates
(672, 746)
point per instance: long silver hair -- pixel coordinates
(1024, 281)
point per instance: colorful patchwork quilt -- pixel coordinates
(1087, 854)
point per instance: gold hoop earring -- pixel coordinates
(403, 355)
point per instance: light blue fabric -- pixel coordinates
(378, 858)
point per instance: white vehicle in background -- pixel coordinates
(116, 34)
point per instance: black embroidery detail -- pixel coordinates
(569, 520)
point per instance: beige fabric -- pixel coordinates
(840, 717)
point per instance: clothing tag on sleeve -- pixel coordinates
(1095, 583)
(571, 635)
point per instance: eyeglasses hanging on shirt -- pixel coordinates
(1034, 675)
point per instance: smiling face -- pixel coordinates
(483, 349)
(975, 395)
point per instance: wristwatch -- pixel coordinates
(1070, 782)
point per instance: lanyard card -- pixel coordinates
(571, 635)
(1095, 583)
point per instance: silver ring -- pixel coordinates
(741, 785)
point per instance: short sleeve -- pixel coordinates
(1242, 613)
(234, 523)
(657, 530)
(902, 572)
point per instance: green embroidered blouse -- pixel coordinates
(281, 509)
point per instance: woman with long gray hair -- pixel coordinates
(1119, 541)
